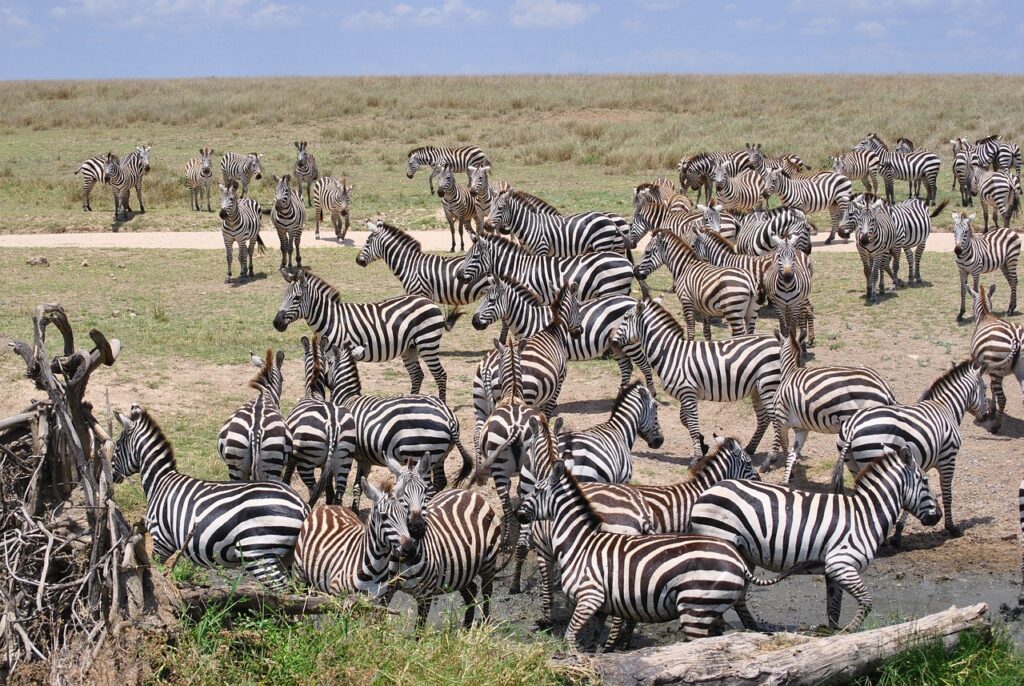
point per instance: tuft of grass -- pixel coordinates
(977, 661)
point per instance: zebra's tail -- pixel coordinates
(1013, 209)
(453, 316)
(326, 476)
(1014, 353)
(467, 463)
(260, 245)
(265, 210)
(758, 581)
(938, 208)
(837, 471)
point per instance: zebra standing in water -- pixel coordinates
(459, 159)
(199, 178)
(821, 192)
(240, 222)
(977, 255)
(997, 154)
(858, 164)
(213, 523)
(255, 442)
(92, 171)
(241, 169)
(557, 235)
(997, 190)
(788, 280)
(919, 165)
(335, 197)
(408, 326)
(306, 171)
(743, 192)
(787, 530)
(996, 347)
(288, 215)
(756, 229)
(458, 205)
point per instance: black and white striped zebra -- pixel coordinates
(998, 191)
(762, 164)
(858, 164)
(255, 442)
(744, 192)
(651, 215)
(996, 347)
(661, 192)
(597, 274)
(697, 171)
(323, 433)
(818, 399)
(334, 197)
(998, 154)
(288, 215)
(913, 225)
(556, 235)
(92, 171)
(720, 371)
(825, 191)
(241, 169)
(977, 255)
(240, 222)
(123, 174)
(787, 530)
(756, 229)
(431, 276)
(788, 281)
(919, 165)
(199, 178)
(306, 171)
(460, 159)
(965, 157)
(716, 250)
(878, 242)
(409, 326)
(929, 429)
(484, 191)
(1020, 512)
(213, 523)
(458, 205)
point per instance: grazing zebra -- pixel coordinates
(458, 206)
(241, 169)
(401, 428)
(697, 171)
(336, 553)
(716, 250)
(996, 348)
(240, 222)
(703, 288)
(123, 175)
(306, 171)
(213, 523)
(255, 442)
(965, 157)
(484, 191)
(556, 235)
(323, 433)
(335, 197)
(721, 371)
(408, 326)
(650, 215)
(523, 314)
(858, 164)
(818, 399)
(288, 215)
(756, 229)
(431, 276)
(788, 280)
(821, 192)
(878, 240)
(919, 165)
(997, 154)
(597, 274)
(459, 159)
(977, 255)
(92, 171)
(929, 429)
(783, 529)
(199, 178)
(997, 190)
(743, 192)
(652, 578)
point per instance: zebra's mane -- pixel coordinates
(262, 378)
(648, 186)
(663, 315)
(403, 237)
(501, 240)
(523, 291)
(421, 149)
(592, 515)
(701, 156)
(987, 139)
(556, 309)
(678, 241)
(623, 394)
(161, 437)
(319, 282)
(700, 465)
(317, 373)
(721, 240)
(869, 468)
(942, 380)
(879, 140)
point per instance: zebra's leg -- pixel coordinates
(836, 215)
(502, 485)
(208, 208)
(451, 227)
(86, 187)
(138, 192)
(963, 293)
(780, 444)
(833, 602)
(872, 281)
(422, 611)
(625, 367)
(946, 483)
(307, 473)
(846, 578)
(319, 218)
(295, 241)
(437, 475)
(588, 601)
(918, 255)
(545, 565)
(620, 633)
(763, 420)
(1011, 278)
(689, 417)
(228, 248)
(806, 316)
(410, 358)
(344, 230)
(799, 437)
(782, 314)
(267, 570)
(433, 360)
(462, 234)
(521, 552)
(362, 469)
(897, 282)
(999, 402)
(243, 259)
(469, 597)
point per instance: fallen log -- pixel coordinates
(746, 658)
(251, 597)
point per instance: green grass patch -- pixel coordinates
(975, 662)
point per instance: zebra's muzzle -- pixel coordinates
(360, 260)
(639, 273)
(409, 174)
(280, 323)
(656, 441)
(522, 516)
(223, 214)
(478, 323)
(258, 176)
(931, 518)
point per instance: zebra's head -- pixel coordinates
(653, 257)
(567, 310)
(477, 261)
(719, 173)
(205, 161)
(110, 166)
(295, 303)
(784, 259)
(871, 142)
(344, 198)
(982, 300)
(142, 152)
(343, 375)
(772, 181)
(539, 505)
(628, 331)
(300, 152)
(865, 220)
(413, 488)
(282, 191)
(373, 249)
(130, 445)
(493, 306)
(478, 180)
(255, 165)
(755, 157)
(413, 163)
(386, 525)
(712, 217)
(650, 428)
(269, 380)
(735, 460)
(445, 181)
(904, 145)
(838, 164)
(962, 232)
(916, 494)
(228, 199)
(977, 398)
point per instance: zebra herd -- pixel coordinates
(561, 287)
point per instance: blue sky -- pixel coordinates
(158, 38)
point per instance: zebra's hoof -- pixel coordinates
(954, 531)
(515, 589)
(829, 240)
(227, 280)
(543, 625)
(960, 317)
(994, 429)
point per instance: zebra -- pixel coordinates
(484, 191)
(241, 169)
(213, 523)
(721, 371)
(431, 276)
(929, 429)
(858, 164)
(459, 159)
(702, 288)
(255, 442)
(977, 255)
(551, 235)
(650, 215)
(306, 171)
(458, 205)
(965, 157)
(523, 314)
(784, 529)
(123, 175)
(92, 171)
(717, 250)
(323, 433)
(199, 178)
(788, 280)
(697, 171)
(597, 274)
(997, 154)
(743, 192)
(240, 222)
(997, 190)
(137, 163)
(408, 326)
(823, 191)
(878, 240)
(335, 197)
(818, 399)
(399, 427)
(919, 165)
(661, 192)
(762, 164)
(754, 235)
(288, 215)
(996, 347)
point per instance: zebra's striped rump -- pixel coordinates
(996, 348)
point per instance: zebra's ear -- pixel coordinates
(779, 337)
(719, 440)
(371, 491)
(776, 241)
(702, 207)
(556, 428)
(991, 291)
(558, 471)
(297, 144)
(471, 168)
(279, 360)
(906, 456)
(971, 216)
(486, 168)
(256, 360)
(424, 466)
(717, 208)
(305, 344)
(534, 424)
(126, 423)
(277, 179)
(394, 466)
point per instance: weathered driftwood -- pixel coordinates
(744, 658)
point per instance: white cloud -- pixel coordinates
(17, 29)
(549, 14)
(871, 29)
(861, 6)
(180, 13)
(658, 5)
(757, 24)
(403, 15)
(821, 26)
